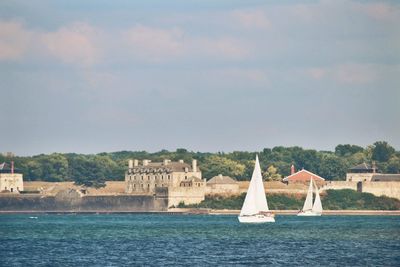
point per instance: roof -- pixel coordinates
(195, 179)
(303, 175)
(192, 179)
(220, 179)
(161, 167)
(385, 177)
(361, 167)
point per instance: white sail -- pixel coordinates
(255, 200)
(317, 203)
(308, 204)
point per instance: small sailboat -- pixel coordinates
(310, 209)
(255, 206)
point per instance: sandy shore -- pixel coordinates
(210, 212)
(326, 212)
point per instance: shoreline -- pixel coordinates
(206, 212)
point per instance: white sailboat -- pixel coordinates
(255, 206)
(310, 209)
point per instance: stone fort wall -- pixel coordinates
(390, 189)
(188, 195)
(72, 201)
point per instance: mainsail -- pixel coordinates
(255, 200)
(308, 204)
(317, 203)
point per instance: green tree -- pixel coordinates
(215, 165)
(347, 150)
(393, 165)
(332, 168)
(87, 171)
(382, 151)
(271, 174)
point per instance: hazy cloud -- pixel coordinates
(252, 19)
(75, 43)
(14, 40)
(154, 44)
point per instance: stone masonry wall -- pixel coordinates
(73, 203)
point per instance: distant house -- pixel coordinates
(302, 176)
(222, 185)
(361, 173)
(11, 181)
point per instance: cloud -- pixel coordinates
(154, 44)
(74, 44)
(381, 11)
(316, 73)
(353, 73)
(252, 19)
(224, 47)
(159, 45)
(14, 40)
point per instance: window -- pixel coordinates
(169, 177)
(142, 185)
(148, 178)
(12, 189)
(142, 177)
(185, 177)
(148, 185)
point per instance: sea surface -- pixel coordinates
(197, 240)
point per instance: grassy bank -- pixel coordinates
(345, 199)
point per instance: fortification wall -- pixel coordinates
(222, 189)
(188, 195)
(277, 187)
(338, 185)
(390, 189)
(73, 202)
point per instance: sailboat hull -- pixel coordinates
(308, 213)
(256, 219)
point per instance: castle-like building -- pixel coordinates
(181, 181)
(11, 181)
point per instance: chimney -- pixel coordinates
(135, 163)
(181, 161)
(194, 165)
(12, 167)
(130, 164)
(145, 162)
(373, 166)
(292, 171)
(165, 163)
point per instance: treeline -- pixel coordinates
(93, 170)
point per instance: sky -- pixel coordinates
(102, 76)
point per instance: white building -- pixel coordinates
(10, 180)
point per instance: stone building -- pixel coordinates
(222, 185)
(361, 173)
(11, 181)
(182, 181)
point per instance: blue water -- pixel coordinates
(197, 240)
